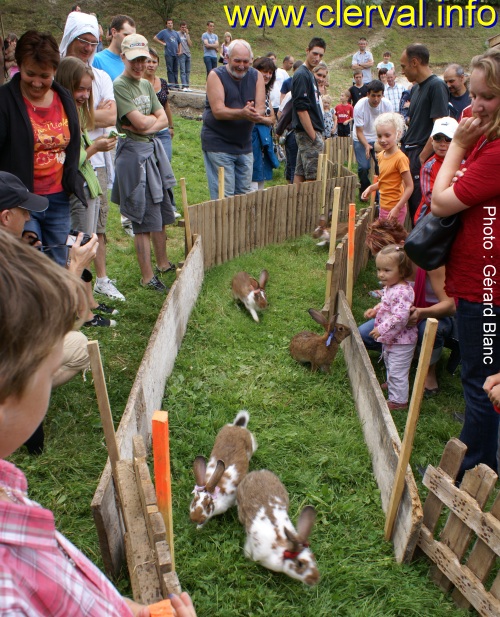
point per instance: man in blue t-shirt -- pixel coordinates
(171, 41)
(109, 60)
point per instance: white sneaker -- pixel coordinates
(127, 226)
(107, 288)
(177, 215)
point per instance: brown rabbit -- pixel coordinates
(322, 231)
(319, 350)
(252, 293)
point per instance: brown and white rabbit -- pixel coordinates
(215, 490)
(252, 293)
(271, 538)
(319, 350)
(323, 228)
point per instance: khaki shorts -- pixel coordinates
(307, 155)
(102, 218)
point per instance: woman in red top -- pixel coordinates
(473, 267)
(40, 137)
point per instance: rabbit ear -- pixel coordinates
(305, 523)
(264, 275)
(254, 283)
(200, 469)
(293, 539)
(220, 468)
(333, 322)
(318, 317)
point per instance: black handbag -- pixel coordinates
(430, 241)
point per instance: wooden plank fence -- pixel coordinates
(237, 225)
(469, 541)
(337, 267)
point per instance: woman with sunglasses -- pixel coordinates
(40, 138)
(472, 191)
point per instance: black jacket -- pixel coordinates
(17, 142)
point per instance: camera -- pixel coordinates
(73, 235)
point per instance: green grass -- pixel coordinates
(306, 426)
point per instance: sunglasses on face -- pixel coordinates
(440, 137)
(87, 42)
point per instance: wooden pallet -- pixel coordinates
(469, 542)
(148, 553)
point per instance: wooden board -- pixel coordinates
(146, 396)
(381, 437)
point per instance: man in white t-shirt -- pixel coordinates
(80, 39)
(364, 134)
(281, 75)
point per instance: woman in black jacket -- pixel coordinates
(40, 138)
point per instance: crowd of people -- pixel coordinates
(77, 120)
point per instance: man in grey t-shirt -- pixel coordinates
(210, 47)
(185, 56)
(171, 41)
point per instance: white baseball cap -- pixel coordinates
(446, 126)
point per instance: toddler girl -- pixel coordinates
(395, 183)
(329, 117)
(391, 316)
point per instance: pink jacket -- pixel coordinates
(393, 314)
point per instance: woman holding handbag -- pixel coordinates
(473, 265)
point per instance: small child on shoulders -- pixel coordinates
(329, 117)
(345, 114)
(441, 136)
(391, 317)
(395, 183)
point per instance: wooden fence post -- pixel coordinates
(350, 253)
(187, 222)
(221, 184)
(103, 403)
(163, 481)
(411, 424)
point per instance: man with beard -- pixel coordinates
(235, 101)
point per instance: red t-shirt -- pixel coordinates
(51, 135)
(474, 261)
(344, 112)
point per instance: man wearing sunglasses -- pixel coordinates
(80, 40)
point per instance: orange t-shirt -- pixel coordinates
(51, 135)
(390, 184)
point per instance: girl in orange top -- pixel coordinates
(395, 183)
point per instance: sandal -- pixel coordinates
(171, 268)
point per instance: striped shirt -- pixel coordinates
(394, 95)
(41, 573)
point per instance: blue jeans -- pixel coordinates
(210, 63)
(185, 65)
(364, 164)
(52, 226)
(444, 330)
(238, 170)
(172, 63)
(480, 429)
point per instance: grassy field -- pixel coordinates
(306, 425)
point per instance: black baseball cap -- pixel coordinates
(13, 194)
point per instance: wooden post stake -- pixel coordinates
(163, 482)
(333, 244)
(350, 253)
(411, 425)
(221, 183)
(103, 403)
(187, 222)
(324, 178)
(372, 198)
(319, 174)
(349, 161)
